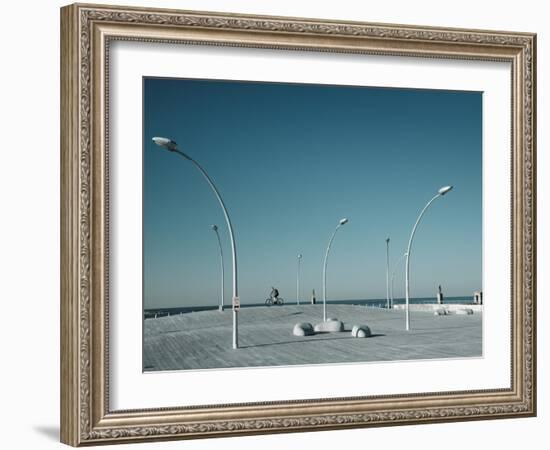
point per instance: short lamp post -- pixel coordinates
(442, 191)
(222, 296)
(393, 276)
(171, 146)
(341, 223)
(298, 279)
(388, 273)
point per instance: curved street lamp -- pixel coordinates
(171, 146)
(442, 191)
(298, 280)
(341, 223)
(215, 228)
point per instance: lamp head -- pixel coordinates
(343, 221)
(215, 227)
(168, 144)
(444, 190)
(387, 240)
(299, 256)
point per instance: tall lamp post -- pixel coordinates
(215, 228)
(442, 191)
(393, 276)
(388, 273)
(298, 280)
(341, 223)
(171, 146)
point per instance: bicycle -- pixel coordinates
(274, 301)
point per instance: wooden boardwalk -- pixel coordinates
(203, 340)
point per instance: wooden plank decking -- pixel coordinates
(203, 340)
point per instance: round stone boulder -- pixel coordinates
(440, 312)
(360, 331)
(332, 326)
(303, 329)
(466, 311)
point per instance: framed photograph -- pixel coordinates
(276, 224)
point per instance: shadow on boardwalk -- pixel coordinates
(333, 336)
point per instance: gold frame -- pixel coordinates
(86, 31)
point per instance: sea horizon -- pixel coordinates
(375, 303)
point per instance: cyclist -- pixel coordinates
(274, 294)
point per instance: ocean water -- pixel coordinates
(373, 303)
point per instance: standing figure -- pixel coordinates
(440, 296)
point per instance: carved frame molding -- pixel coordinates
(86, 32)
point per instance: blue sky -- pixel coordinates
(290, 160)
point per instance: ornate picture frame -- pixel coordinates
(87, 31)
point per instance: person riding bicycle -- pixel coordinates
(274, 294)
